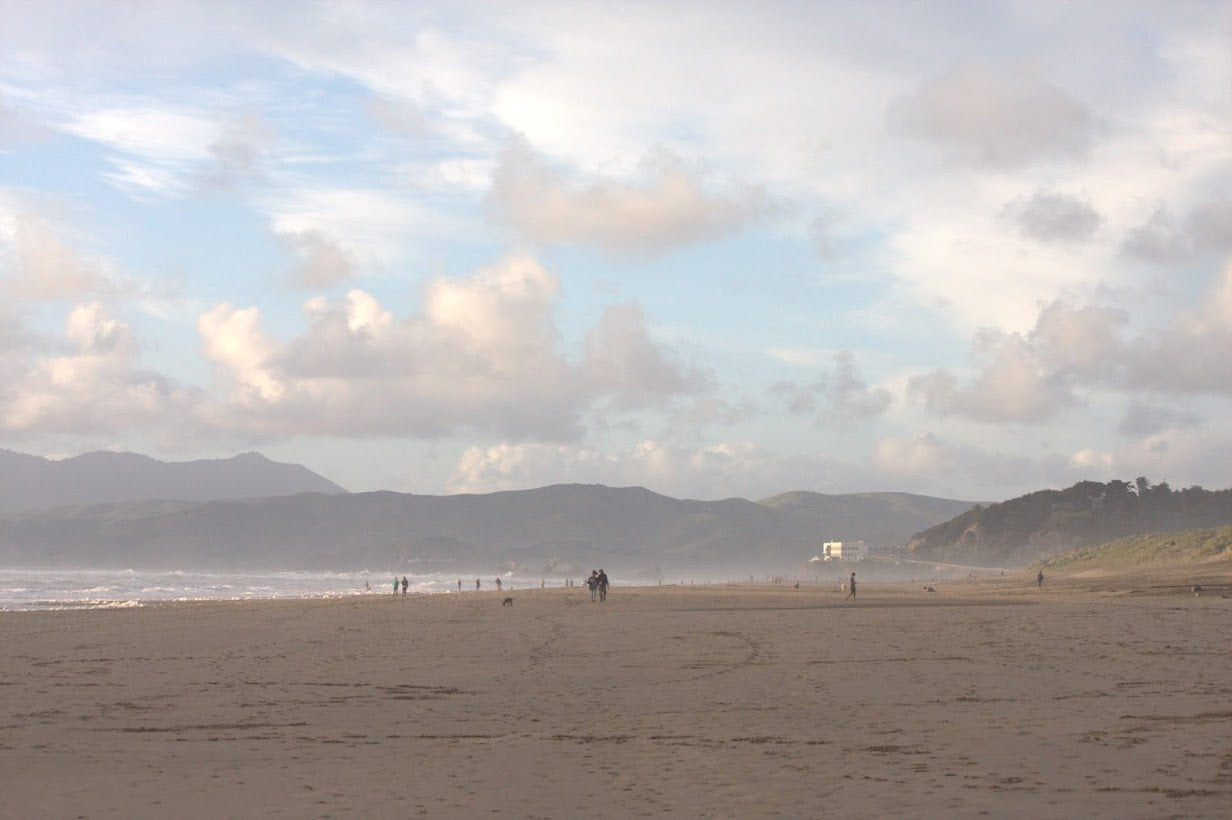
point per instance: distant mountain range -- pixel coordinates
(31, 482)
(1051, 522)
(551, 531)
(121, 509)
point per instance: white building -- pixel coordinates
(840, 551)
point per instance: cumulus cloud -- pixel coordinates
(669, 208)
(233, 340)
(1012, 385)
(927, 458)
(1001, 119)
(1190, 354)
(90, 385)
(715, 470)
(1210, 225)
(1080, 343)
(1053, 217)
(1142, 419)
(839, 396)
(1159, 239)
(1199, 454)
(482, 355)
(1165, 239)
(1028, 378)
(238, 152)
(47, 268)
(367, 228)
(621, 358)
(322, 262)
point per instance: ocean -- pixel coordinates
(50, 589)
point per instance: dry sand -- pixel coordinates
(980, 699)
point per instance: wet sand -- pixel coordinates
(1093, 698)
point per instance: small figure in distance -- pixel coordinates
(459, 585)
(498, 584)
(602, 583)
(405, 584)
(1039, 579)
(395, 585)
(851, 587)
(476, 584)
(592, 583)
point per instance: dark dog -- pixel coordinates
(507, 602)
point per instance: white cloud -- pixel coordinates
(1053, 217)
(18, 126)
(669, 208)
(373, 230)
(153, 131)
(1164, 239)
(1028, 378)
(483, 355)
(1080, 342)
(716, 470)
(322, 263)
(238, 151)
(92, 387)
(1190, 354)
(621, 358)
(1011, 386)
(1002, 119)
(1088, 460)
(928, 460)
(46, 268)
(1022, 195)
(1181, 455)
(840, 396)
(1142, 419)
(233, 340)
(1159, 239)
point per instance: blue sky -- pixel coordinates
(714, 249)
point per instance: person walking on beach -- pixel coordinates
(459, 585)
(405, 584)
(498, 584)
(395, 585)
(601, 582)
(476, 584)
(592, 583)
(851, 587)
(1039, 579)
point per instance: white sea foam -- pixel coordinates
(48, 589)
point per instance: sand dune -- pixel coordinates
(740, 701)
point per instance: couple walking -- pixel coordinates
(598, 584)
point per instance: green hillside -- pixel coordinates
(1141, 551)
(1051, 522)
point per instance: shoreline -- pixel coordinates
(1009, 588)
(715, 700)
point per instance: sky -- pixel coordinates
(965, 249)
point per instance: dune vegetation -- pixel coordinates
(1136, 551)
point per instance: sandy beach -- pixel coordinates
(1087, 698)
